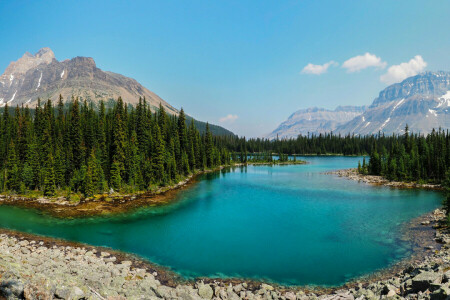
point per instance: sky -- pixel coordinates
(245, 65)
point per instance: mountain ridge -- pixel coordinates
(43, 76)
(315, 120)
(421, 101)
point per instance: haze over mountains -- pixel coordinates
(421, 101)
(315, 121)
(42, 76)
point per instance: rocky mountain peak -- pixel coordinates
(430, 84)
(29, 61)
(42, 76)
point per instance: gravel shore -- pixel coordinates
(353, 174)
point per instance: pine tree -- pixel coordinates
(49, 177)
(116, 179)
(208, 147)
(158, 156)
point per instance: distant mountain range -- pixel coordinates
(42, 76)
(315, 121)
(421, 101)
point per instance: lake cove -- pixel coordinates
(287, 224)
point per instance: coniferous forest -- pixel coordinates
(91, 151)
(411, 157)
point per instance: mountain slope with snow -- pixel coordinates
(315, 121)
(421, 101)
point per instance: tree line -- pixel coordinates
(411, 157)
(91, 151)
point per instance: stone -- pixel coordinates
(12, 288)
(389, 290)
(231, 295)
(63, 292)
(238, 288)
(422, 282)
(267, 287)
(441, 294)
(205, 291)
(77, 293)
(290, 296)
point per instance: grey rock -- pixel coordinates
(63, 292)
(205, 291)
(77, 293)
(441, 294)
(290, 296)
(12, 288)
(422, 282)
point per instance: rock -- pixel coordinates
(238, 288)
(267, 287)
(205, 291)
(290, 296)
(422, 282)
(12, 288)
(440, 294)
(339, 296)
(77, 293)
(446, 276)
(231, 295)
(63, 292)
(389, 290)
(25, 250)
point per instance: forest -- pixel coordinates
(411, 157)
(91, 151)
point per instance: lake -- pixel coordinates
(285, 224)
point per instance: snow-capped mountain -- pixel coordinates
(315, 121)
(41, 75)
(421, 101)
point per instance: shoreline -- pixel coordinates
(352, 174)
(43, 265)
(116, 203)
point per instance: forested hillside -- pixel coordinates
(91, 151)
(411, 157)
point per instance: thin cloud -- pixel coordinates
(228, 119)
(362, 62)
(318, 69)
(397, 73)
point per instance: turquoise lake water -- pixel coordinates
(286, 224)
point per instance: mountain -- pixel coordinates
(315, 121)
(421, 101)
(42, 76)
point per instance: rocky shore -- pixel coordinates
(33, 267)
(353, 174)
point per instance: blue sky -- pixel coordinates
(240, 64)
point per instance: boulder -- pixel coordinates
(422, 282)
(441, 294)
(290, 296)
(267, 287)
(205, 291)
(12, 288)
